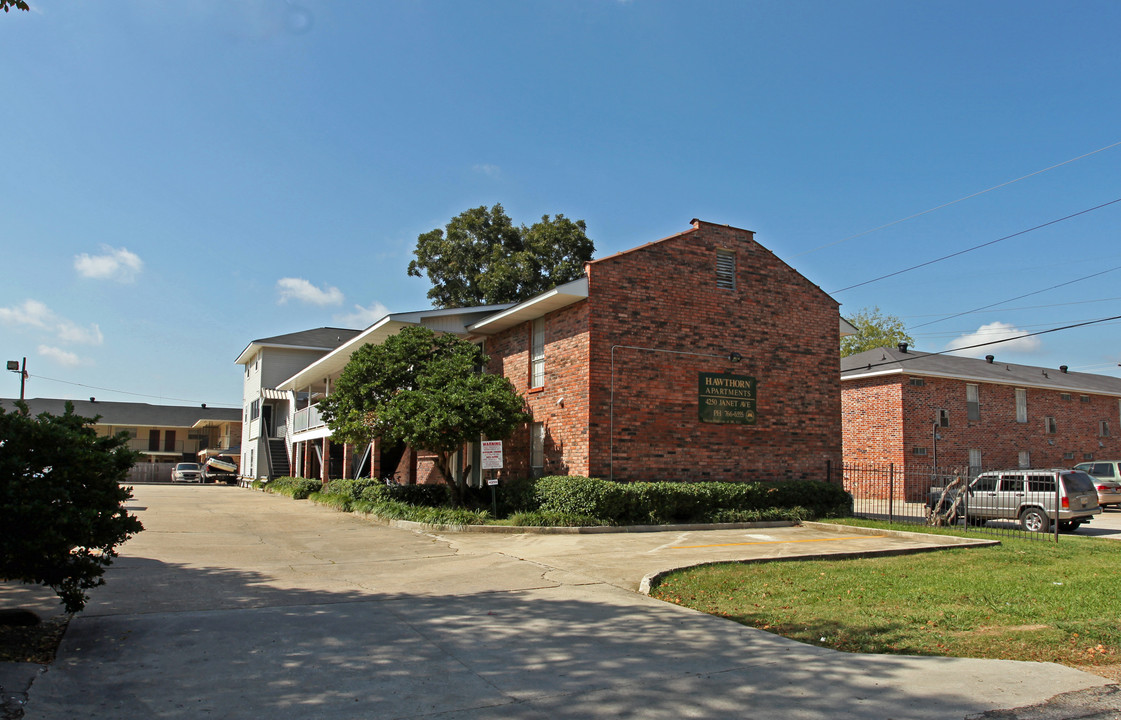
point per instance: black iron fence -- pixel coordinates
(944, 496)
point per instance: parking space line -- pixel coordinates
(777, 542)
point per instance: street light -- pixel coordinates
(14, 366)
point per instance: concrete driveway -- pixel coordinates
(238, 604)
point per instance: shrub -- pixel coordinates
(61, 501)
(658, 503)
(295, 488)
(538, 518)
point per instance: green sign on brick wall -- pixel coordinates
(726, 398)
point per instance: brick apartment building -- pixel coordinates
(701, 356)
(917, 411)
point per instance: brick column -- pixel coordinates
(375, 459)
(348, 457)
(307, 460)
(325, 468)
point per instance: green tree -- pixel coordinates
(60, 498)
(425, 390)
(6, 5)
(874, 330)
(482, 258)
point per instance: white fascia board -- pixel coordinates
(246, 354)
(334, 361)
(555, 299)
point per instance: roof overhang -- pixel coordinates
(1059, 386)
(332, 363)
(847, 328)
(555, 299)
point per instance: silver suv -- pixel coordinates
(1027, 496)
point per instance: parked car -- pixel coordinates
(1107, 480)
(220, 469)
(1027, 496)
(186, 472)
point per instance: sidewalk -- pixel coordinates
(238, 604)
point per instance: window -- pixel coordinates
(1025, 459)
(1041, 483)
(918, 382)
(537, 449)
(1011, 483)
(1068, 456)
(254, 409)
(1087, 456)
(942, 418)
(973, 402)
(1021, 405)
(726, 269)
(1084, 398)
(1064, 396)
(1103, 428)
(975, 460)
(537, 354)
(1050, 426)
(918, 451)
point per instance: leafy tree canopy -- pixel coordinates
(424, 390)
(60, 498)
(6, 5)
(874, 330)
(482, 258)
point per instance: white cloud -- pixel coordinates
(363, 317)
(990, 333)
(491, 171)
(302, 290)
(36, 314)
(69, 332)
(62, 357)
(113, 264)
(31, 312)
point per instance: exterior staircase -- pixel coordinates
(278, 458)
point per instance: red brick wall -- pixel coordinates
(997, 434)
(664, 296)
(562, 403)
(872, 421)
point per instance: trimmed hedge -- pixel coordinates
(581, 501)
(662, 503)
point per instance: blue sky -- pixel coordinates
(179, 178)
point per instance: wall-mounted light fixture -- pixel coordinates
(735, 356)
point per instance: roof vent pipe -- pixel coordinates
(989, 359)
(1062, 368)
(902, 347)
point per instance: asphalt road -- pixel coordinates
(239, 604)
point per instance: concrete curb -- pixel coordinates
(940, 542)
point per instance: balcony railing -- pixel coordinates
(307, 419)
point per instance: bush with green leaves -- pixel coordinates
(293, 487)
(61, 501)
(659, 503)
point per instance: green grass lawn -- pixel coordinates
(1021, 600)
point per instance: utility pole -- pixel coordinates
(15, 367)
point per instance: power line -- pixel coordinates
(126, 392)
(869, 366)
(976, 247)
(1026, 307)
(1019, 297)
(953, 202)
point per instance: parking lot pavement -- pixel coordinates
(1106, 525)
(238, 604)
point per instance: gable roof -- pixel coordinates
(128, 413)
(324, 338)
(893, 361)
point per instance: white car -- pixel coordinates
(187, 472)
